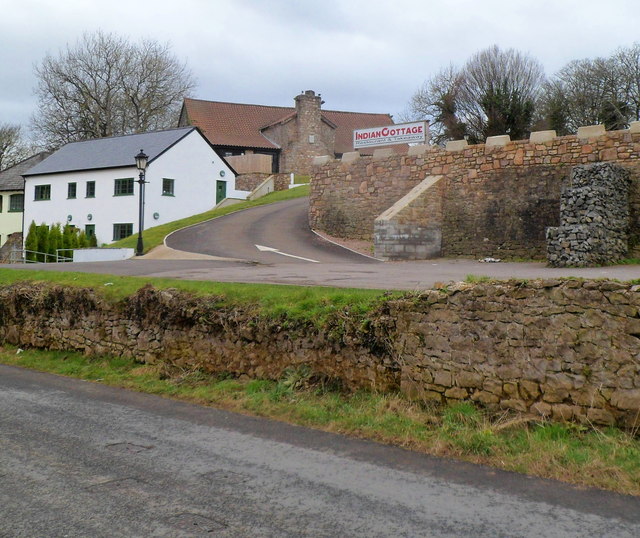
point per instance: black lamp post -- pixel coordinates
(141, 163)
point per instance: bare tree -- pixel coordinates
(591, 91)
(437, 101)
(494, 93)
(105, 86)
(499, 92)
(629, 64)
(13, 148)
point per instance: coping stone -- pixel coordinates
(382, 153)
(419, 149)
(456, 145)
(634, 127)
(321, 159)
(591, 131)
(350, 156)
(537, 137)
(500, 140)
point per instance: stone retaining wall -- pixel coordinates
(498, 197)
(569, 350)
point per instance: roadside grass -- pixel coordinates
(271, 301)
(603, 458)
(155, 236)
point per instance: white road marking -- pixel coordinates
(262, 248)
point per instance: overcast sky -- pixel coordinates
(361, 55)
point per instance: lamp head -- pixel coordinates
(141, 161)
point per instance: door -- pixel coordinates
(221, 191)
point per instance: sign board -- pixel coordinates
(401, 133)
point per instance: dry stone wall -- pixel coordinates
(569, 350)
(498, 198)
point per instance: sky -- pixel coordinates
(361, 55)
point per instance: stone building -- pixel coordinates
(292, 137)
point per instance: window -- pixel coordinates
(120, 231)
(123, 187)
(91, 189)
(42, 192)
(16, 202)
(90, 230)
(1, 199)
(167, 187)
(71, 190)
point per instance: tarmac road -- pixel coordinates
(410, 276)
(283, 226)
(79, 459)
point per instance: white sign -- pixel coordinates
(402, 133)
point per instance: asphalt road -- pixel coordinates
(399, 276)
(80, 459)
(244, 235)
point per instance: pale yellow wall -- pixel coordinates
(10, 222)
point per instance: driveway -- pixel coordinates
(271, 234)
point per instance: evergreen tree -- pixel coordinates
(31, 242)
(43, 242)
(55, 238)
(67, 238)
(83, 242)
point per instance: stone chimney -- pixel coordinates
(308, 116)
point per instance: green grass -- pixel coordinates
(155, 236)
(307, 303)
(607, 458)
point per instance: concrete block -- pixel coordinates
(500, 140)
(634, 127)
(591, 131)
(350, 156)
(322, 159)
(538, 137)
(418, 149)
(456, 145)
(383, 153)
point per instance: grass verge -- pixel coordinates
(155, 236)
(608, 459)
(308, 303)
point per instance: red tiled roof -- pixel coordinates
(236, 124)
(347, 122)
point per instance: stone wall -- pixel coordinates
(14, 241)
(248, 182)
(498, 197)
(412, 227)
(569, 350)
(594, 218)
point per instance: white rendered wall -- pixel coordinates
(191, 163)
(102, 254)
(10, 222)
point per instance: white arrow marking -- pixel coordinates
(262, 248)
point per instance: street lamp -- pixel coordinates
(141, 163)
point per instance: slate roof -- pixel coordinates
(236, 124)
(114, 152)
(11, 178)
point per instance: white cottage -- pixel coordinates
(92, 184)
